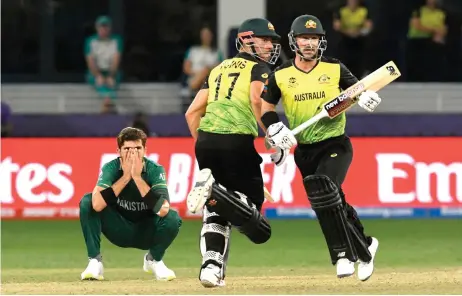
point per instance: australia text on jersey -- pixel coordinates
(310, 96)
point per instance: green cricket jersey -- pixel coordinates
(130, 202)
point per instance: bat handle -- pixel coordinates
(309, 122)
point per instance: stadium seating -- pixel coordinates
(164, 98)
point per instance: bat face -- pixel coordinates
(344, 101)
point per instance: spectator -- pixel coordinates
(103, 53)
(354, 24)
(426, 39)
(199, 60)
(6, 124)
(141, 122)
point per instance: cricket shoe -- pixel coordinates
(365, 269)
(159, 269)
(94, 271)
(210, 276)
(201, 192)
(345, 268)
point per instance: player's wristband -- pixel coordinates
(151, 198)
(109, 196)
(270, 118)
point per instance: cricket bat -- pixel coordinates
(268, 195)
(348, 98)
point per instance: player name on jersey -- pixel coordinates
(235, 64)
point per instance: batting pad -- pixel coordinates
(240, 212)
(327, 204)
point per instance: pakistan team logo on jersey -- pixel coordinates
(324, 79)
(293, 82)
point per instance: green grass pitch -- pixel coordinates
(414, 257)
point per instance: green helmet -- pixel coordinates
(258, 27)
(307, 25)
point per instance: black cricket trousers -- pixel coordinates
(331, 157)
(234, 161)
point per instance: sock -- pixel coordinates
(99, 258)
(149, 257)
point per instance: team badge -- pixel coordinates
(324, 79)
(310, 24)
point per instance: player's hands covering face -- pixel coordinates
(127, 162)
(280, 136)
(369, 100)
(137, 166)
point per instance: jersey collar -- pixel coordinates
(247, 56)
(295, 66)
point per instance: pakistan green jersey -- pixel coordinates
(303, 95)
(229, 108)
(130, 202)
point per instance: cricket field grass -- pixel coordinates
(414, 257)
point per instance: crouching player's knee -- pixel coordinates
(86, 204)
(172, 221)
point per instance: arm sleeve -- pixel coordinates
(158, 181)
(368, 16)
(120, 44)
(337, 14)
(186, 55)
(87, 46)
(157, 178)
(272, 93)
(445, 21)
(347, 78)
(260, 72)
(108, 175)
(161, 194)
(220, 56)
(205, 85)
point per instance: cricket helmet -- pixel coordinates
(258, 27)
(307, 25)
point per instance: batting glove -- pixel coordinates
(279, 156)
(279, 135)
(369, 100)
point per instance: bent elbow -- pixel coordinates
(189, 114)
(256, 102)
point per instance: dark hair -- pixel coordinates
(214, 39)
(131, 134)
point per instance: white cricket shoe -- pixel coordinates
(365, 269)
(201, 192)
(210, 276)
(159, 269)
(345, 268)
(94, 271)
